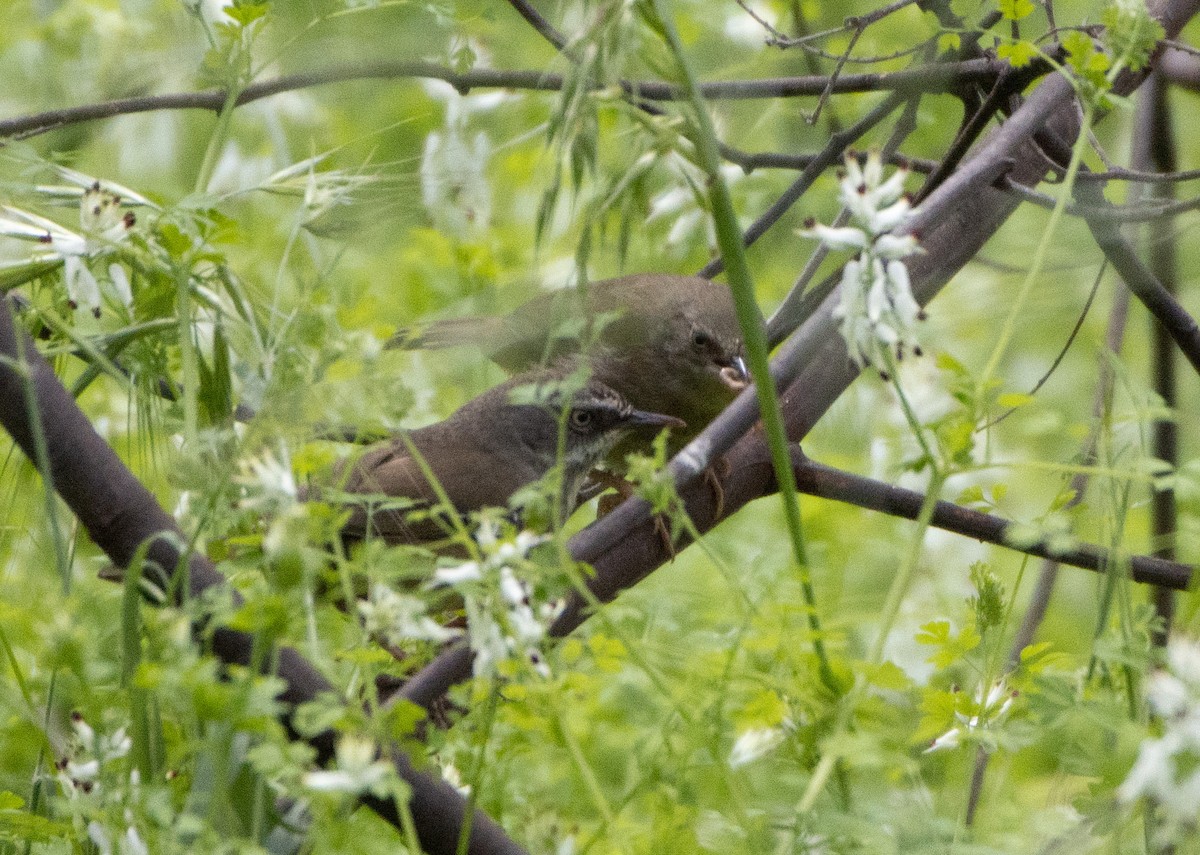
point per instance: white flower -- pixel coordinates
(487, 641)
(1165, 770)
(453, 777)
(120, 283)
(987, 710)
(877, 310)
(1183, 657)
(269, 478)
(357, 769)
(844, 237)
(99, 837)
(1168, 695)
(753, 744)
(950, 739)
(893, 246)
(397, 617)
(102, 225)
(454, 186)
(132, 843)
(457, 574)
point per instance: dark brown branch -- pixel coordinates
(934, 78)
(121, 515)
(624, 547)
(751, 477)
(815, 479)
(1157, 149)
(544, 28)
(1147, 287)
(1179, 69)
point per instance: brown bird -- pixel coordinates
(669, 344)
(488, 449)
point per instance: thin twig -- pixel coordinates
(1107, 212)
(1087, 305)
(827, 157)
(750, 161)
(940, 77)
(800, 303)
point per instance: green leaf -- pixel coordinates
(1011, 400)
(988, 602)
(1018, 54)
(970, 496)
(1015, 10)
(764, 709)
(216, 392)
(1132, 32)
(246, 13)
(949, 41)
(889, 675)
(950, 648)
(1079, 47)
(946, 362)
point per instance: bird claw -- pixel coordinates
(714, 473)
(623, 490)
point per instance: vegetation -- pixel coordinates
(953, 623)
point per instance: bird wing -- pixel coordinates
(391, 472)
(469, 474)
(477, 330)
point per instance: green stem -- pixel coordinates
(217, 141)
(729, 241)
(891, 606)
(585, 769)
(489, 718)
(188, 357)
(1039, 257)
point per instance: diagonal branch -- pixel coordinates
(1141, 280)
(751, 477)
(956, 220)
(121, 515)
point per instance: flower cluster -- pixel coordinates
(396, 618)
(267, 481)
(877, 311)
(454, 185)
(503, 621)
(103, 224)
(358, 770)
(755, 743)
(80, 771)
(982, 712)
(1166, 771)
(79, 777)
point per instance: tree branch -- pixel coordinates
(943, 77)
(121, 515)
(956, 219)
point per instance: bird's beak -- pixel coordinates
(641, 418)
(734, 375)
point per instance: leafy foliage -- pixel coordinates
(176, 265)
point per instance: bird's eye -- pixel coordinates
(581, 419)
(701, 339)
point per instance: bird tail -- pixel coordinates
(452, 332)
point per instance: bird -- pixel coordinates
(669, 344)
(486, 451)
